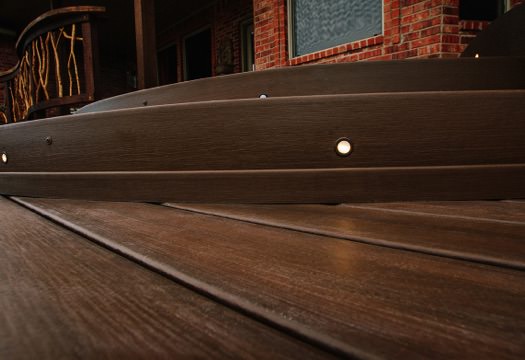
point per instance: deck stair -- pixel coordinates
(189, 251)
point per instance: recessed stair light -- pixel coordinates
(343, 147)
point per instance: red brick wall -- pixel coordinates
(113, 72)
(270, 33)
(7, 59)
(412, 29)
(228, 18)
(7, 53)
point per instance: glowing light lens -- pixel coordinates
(4, 158)
(343, 147)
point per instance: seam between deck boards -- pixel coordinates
(209, 291)
(456, 255)
(427, 214)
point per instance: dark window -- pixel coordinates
(248, 50)
(167, 59)
(321, 24)
(197, 55)
(481, 9)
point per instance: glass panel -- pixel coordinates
(481, 10)
(248, 51)
(321, 24)
(198, 55)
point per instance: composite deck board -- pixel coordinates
(61, 296)
(378, 300)
(293, 133)
(490, 211)
(275, 186)
(495, 242)
(277, 150)
(349, 78)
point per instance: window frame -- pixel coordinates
(508, 5)
(244, 42)
(290, 31)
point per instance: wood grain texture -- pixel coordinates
(63, 297)
(494, 242)
(388, 302)
(90, 49)
(408, 129)
(146, 43)
(277, 186)
(487, 211)
(348, 78)
(57, 102)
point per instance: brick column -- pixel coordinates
(425, 26)
(450, 37)
(270, 33)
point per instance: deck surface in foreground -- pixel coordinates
(395, 280)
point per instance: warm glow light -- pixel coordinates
(4, 158)
(343, 147)
(263, 96)
(476, 56)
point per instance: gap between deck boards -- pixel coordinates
(301, 333)
(204, 209)
(340, 285)
(66, 290)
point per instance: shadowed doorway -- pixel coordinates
(197, 55)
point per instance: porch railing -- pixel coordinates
(56, 70)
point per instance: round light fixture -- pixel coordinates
(343, 147)
(4, 158)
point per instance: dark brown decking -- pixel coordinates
(426, 280)
(407, 146)
(64, 297)
(465, 74)
(420, 130)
